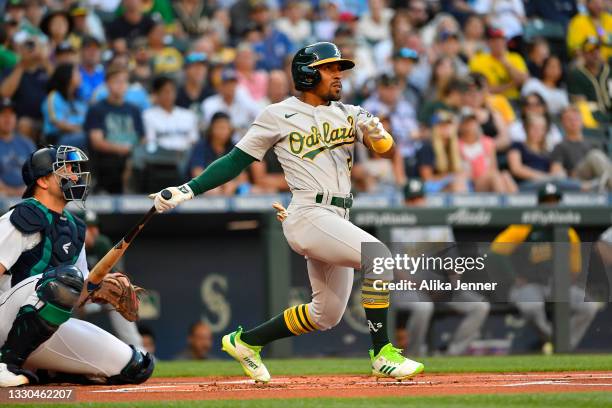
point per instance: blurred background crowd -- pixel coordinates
(480, 95)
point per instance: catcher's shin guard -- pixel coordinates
(58, 290)
(138, 369)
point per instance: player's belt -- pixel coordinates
(342, 202)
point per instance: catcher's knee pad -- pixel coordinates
(138, 369)
(29, 330)
(59, 288)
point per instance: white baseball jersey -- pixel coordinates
(314, 145)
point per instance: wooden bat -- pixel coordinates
(109, 260)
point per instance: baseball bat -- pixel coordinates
(109, 260)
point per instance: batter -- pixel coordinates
(314, 139)
(43, 264)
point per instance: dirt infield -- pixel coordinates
(347, 386)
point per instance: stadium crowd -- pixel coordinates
(480, 95)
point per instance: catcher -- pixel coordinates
(42, 270)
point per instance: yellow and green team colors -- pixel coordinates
(372, 298)
(298, 320)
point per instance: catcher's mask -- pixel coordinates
(67, 163)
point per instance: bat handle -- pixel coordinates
(166, 194)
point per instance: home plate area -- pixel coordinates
(209, 388)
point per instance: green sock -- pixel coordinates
(376, 304)
(292, 322)
(377, 323)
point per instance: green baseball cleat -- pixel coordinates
(389, 363)
(246, 355)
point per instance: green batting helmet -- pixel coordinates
(303, 67)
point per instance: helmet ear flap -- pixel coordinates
(310, 77)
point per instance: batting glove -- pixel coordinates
(380, 139)
(179, 195)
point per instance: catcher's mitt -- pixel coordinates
(117, 290)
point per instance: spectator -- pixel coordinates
(114, 128)
(92, 72)
(509, 14)
(165, 59)
(195, 87)
(14, 151)
(450, 100)
(26, 84)
(560, 11)
(65, 54)
(388, 101)
(549, 85)
(442, 72)
(278, 88)
(136, 94)
(417, 13)
(400, 29)
(84, 24)
(439, 160)
(168, 126)
(442, 22)
(596, 23)
(404, 60)
(124, 29)
(448, 45)
(375, 23)
(194, 17)
(216, 142)
(478, 154)
(63, 112)
(34, 14)
(199, 342)
(537, 52)
(232, 100)
(490, 121)
(274, 46)
(579, 158)
(506, 71)
(254, 81)
(8, 58)
(56, 25)
(535, 104)
(473, 36)
(294, 23)
(142, 69)
(590, 83)
(529, 161)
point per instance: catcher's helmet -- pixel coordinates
(52, 159)
(303, 67)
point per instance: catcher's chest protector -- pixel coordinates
(62, 238)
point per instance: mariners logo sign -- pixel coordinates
(309, 146)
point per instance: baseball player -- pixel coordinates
(314, 139)
(42, 255)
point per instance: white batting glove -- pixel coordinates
(373, 129)
(179, 195)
